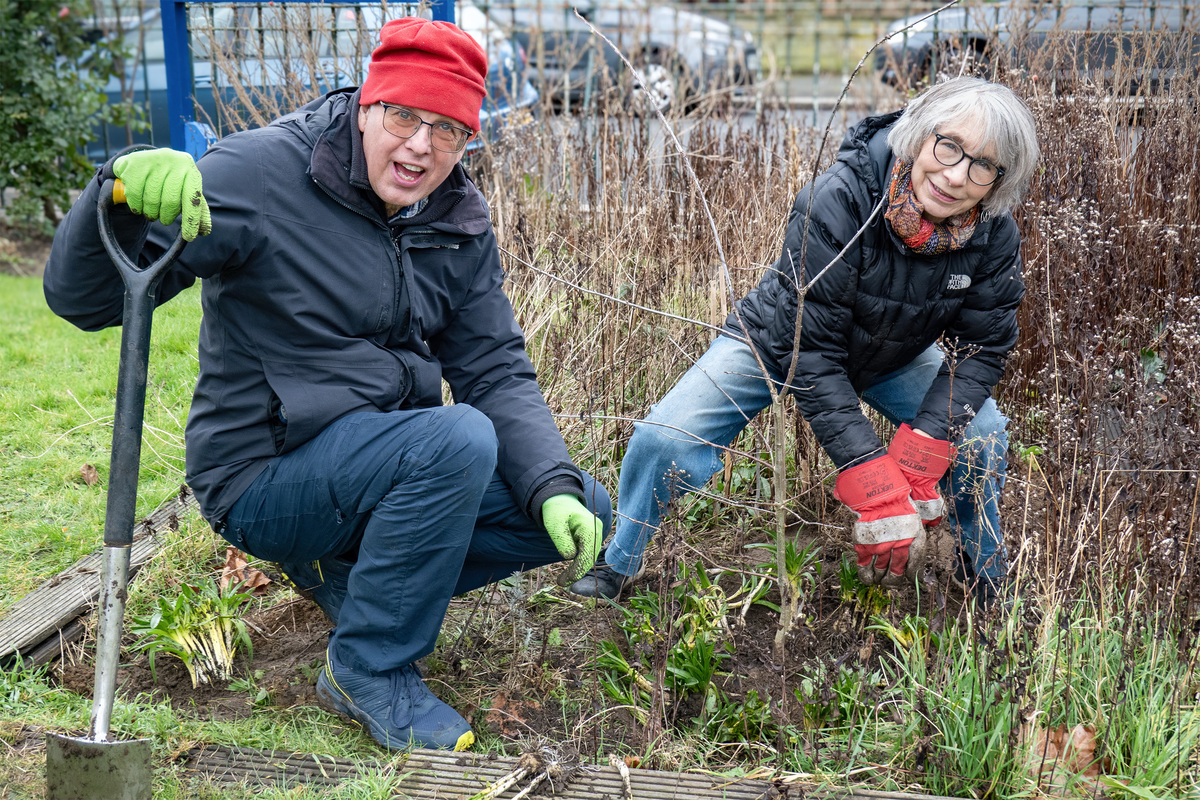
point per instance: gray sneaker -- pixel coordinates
(397, 709)
(604, 581)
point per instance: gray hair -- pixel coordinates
(1003, 118)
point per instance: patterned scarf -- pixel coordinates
(924, 237)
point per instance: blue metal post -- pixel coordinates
(178, 57)
(178, 62)
(443, 10)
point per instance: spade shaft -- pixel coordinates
(95, 768)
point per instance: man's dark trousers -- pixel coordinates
(413, 496)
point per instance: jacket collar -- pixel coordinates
(329, 125)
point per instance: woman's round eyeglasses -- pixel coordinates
(949, 153)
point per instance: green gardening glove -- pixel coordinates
(576, 533)
(164, 184)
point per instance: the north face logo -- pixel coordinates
(958, 283)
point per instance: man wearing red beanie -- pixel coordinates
(349, 267)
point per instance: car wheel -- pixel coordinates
(958, 57)
(659, 89)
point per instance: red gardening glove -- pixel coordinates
(923, 460)
(888, 536)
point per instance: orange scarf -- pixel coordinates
(904, 214)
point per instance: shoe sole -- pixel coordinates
(341, 705)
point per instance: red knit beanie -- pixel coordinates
(429, 65)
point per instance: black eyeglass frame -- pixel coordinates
(939, 138)
(467, 133)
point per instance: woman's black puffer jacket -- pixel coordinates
(880, 305)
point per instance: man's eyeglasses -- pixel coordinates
(403, 122)
(949, 153)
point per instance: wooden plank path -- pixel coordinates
(443, 775)
(41, 622)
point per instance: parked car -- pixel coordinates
(681, 54)
(260, 59)
(1138, 40)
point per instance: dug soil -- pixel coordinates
(519, 659)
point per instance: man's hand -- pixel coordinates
(164, 184)
(923, 460)
(576, 532)
(888, 537)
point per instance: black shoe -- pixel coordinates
(984, 590)
(604, 581)
(964, 572)
(323, 582)
(993, 593)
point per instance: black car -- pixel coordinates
(680, 54)
(1131, 41)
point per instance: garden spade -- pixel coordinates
(95, 768)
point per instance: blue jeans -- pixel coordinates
(414, 498)
(678, 447)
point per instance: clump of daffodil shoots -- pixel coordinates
(202, 627)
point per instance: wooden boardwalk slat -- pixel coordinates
(33, 624)
(451, 776)
(224, 765)
(442, 775)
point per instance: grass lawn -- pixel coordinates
(58, 392)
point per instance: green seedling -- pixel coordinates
(750, 721)
(802, 564)
(259, 695)
(688, 623)
(910, 632)
(869, 600)
(202, 627)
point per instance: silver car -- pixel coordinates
(1129, 41)
(680, 54)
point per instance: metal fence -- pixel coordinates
(795, 52)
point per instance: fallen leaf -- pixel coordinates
(510, 716)
(89, 474)
(237, 570)
(1063, 760)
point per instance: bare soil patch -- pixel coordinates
(22, 252)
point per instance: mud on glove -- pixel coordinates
(923, 460)
(888, 537)
(164, 184)
(576, 533)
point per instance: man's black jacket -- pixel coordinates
(314, 308)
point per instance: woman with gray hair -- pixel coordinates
(907, 259)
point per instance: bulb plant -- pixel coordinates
(202, 627)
